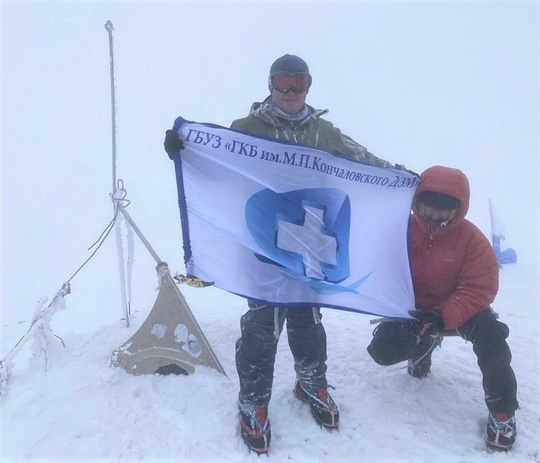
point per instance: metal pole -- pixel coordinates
(109, 28)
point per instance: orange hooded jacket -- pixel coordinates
(454, 268)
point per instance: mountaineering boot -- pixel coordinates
(255, 429)
(501, 430)
(419, 365)
(323, 408)
(420, 368)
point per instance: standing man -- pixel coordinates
(285, 115)
(455, 277)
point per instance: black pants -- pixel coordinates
(257, 346)
(394, 342)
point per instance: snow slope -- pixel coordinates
(83, 410)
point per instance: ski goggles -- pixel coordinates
(298, 83)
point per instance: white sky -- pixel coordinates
(418, 83)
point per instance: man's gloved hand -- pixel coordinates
(431, 323)
(173, 143)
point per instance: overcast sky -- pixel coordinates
(418, 83)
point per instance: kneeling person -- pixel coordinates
(455, 277)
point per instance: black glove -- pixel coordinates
(431, 323)
(173, 143)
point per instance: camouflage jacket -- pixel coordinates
(313, 131)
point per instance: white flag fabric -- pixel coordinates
(291, 225)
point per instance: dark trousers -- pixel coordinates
(395, 342)
(256, 351)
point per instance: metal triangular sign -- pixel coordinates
(170, 339)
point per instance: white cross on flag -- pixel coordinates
(308, 241)
(291, 225)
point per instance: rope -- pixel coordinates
(108, 228)
(66, 289)
(39, 315)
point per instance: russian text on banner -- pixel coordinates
(292, 225)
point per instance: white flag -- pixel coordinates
(505, 254)
(292, 225)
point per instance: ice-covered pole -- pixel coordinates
(109, 28)
(115, 190)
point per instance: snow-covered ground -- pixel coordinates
(83, 410)
(419, 83)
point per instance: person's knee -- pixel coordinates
(302, 316)
(261, 315)
(490, 343)
(483, 326)
(390, 341)
(257, 330)
(491, 330)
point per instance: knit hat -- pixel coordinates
(289, 64)
(438, 200)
